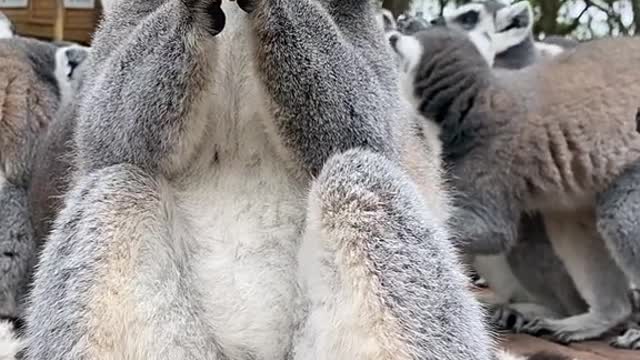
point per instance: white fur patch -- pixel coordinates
(497, 272)
(484, 45)
(10, 345)
(243, 213)
(504, 355)
(548, 50)
(5, 29)
(63, 71)
(408, 48)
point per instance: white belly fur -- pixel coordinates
(246, 212)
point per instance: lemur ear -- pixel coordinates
(107, 6)
(515, 16)
(388, 22)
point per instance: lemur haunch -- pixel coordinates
(243, 190)
(535, 140)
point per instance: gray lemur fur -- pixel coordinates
(30, 99)
(525, 126)
(240, 194)
(52, 165)
(530, 277)
(618, 209)
(530, 280)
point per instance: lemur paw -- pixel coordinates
(569, 330)
(247, 5)
(629, 340)
(506, 318)
(211, 13)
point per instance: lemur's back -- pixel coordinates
(581, 117)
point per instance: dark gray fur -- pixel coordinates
(541, 272)
(334, 112)
(617, 213)
(17, 249)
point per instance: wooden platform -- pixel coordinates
(522, 344)
(592, 350)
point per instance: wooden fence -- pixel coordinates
(70, 20)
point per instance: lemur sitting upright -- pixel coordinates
(247, 191)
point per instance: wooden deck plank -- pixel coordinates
(522, 344)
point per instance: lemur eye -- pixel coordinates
(468, 19)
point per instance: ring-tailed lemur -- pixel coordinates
(241, 194)
(530, 278)
(519, 141)
(510, 28)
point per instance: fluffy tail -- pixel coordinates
(10, 345)
(542, 355)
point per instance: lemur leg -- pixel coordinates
(618, 215)
(132, 292)
(486, 220)
(597, 277)
(514, 316)
(113, 280)
(17, 249)
(379, 274)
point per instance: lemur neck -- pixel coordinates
(454, 95)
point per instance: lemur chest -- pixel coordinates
(247, 223)
(245, 216)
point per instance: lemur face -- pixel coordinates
(505, 25)
(412, 48)
(473, 17)
(433, 43)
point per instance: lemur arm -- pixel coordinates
(152, 62)
(330, 88)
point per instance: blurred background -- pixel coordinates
(580, 19)
(70, 20)
(75, 20)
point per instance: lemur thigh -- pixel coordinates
(597, 277)
(369, 238)
(618, 215)
(133, 294)
(486, 223)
